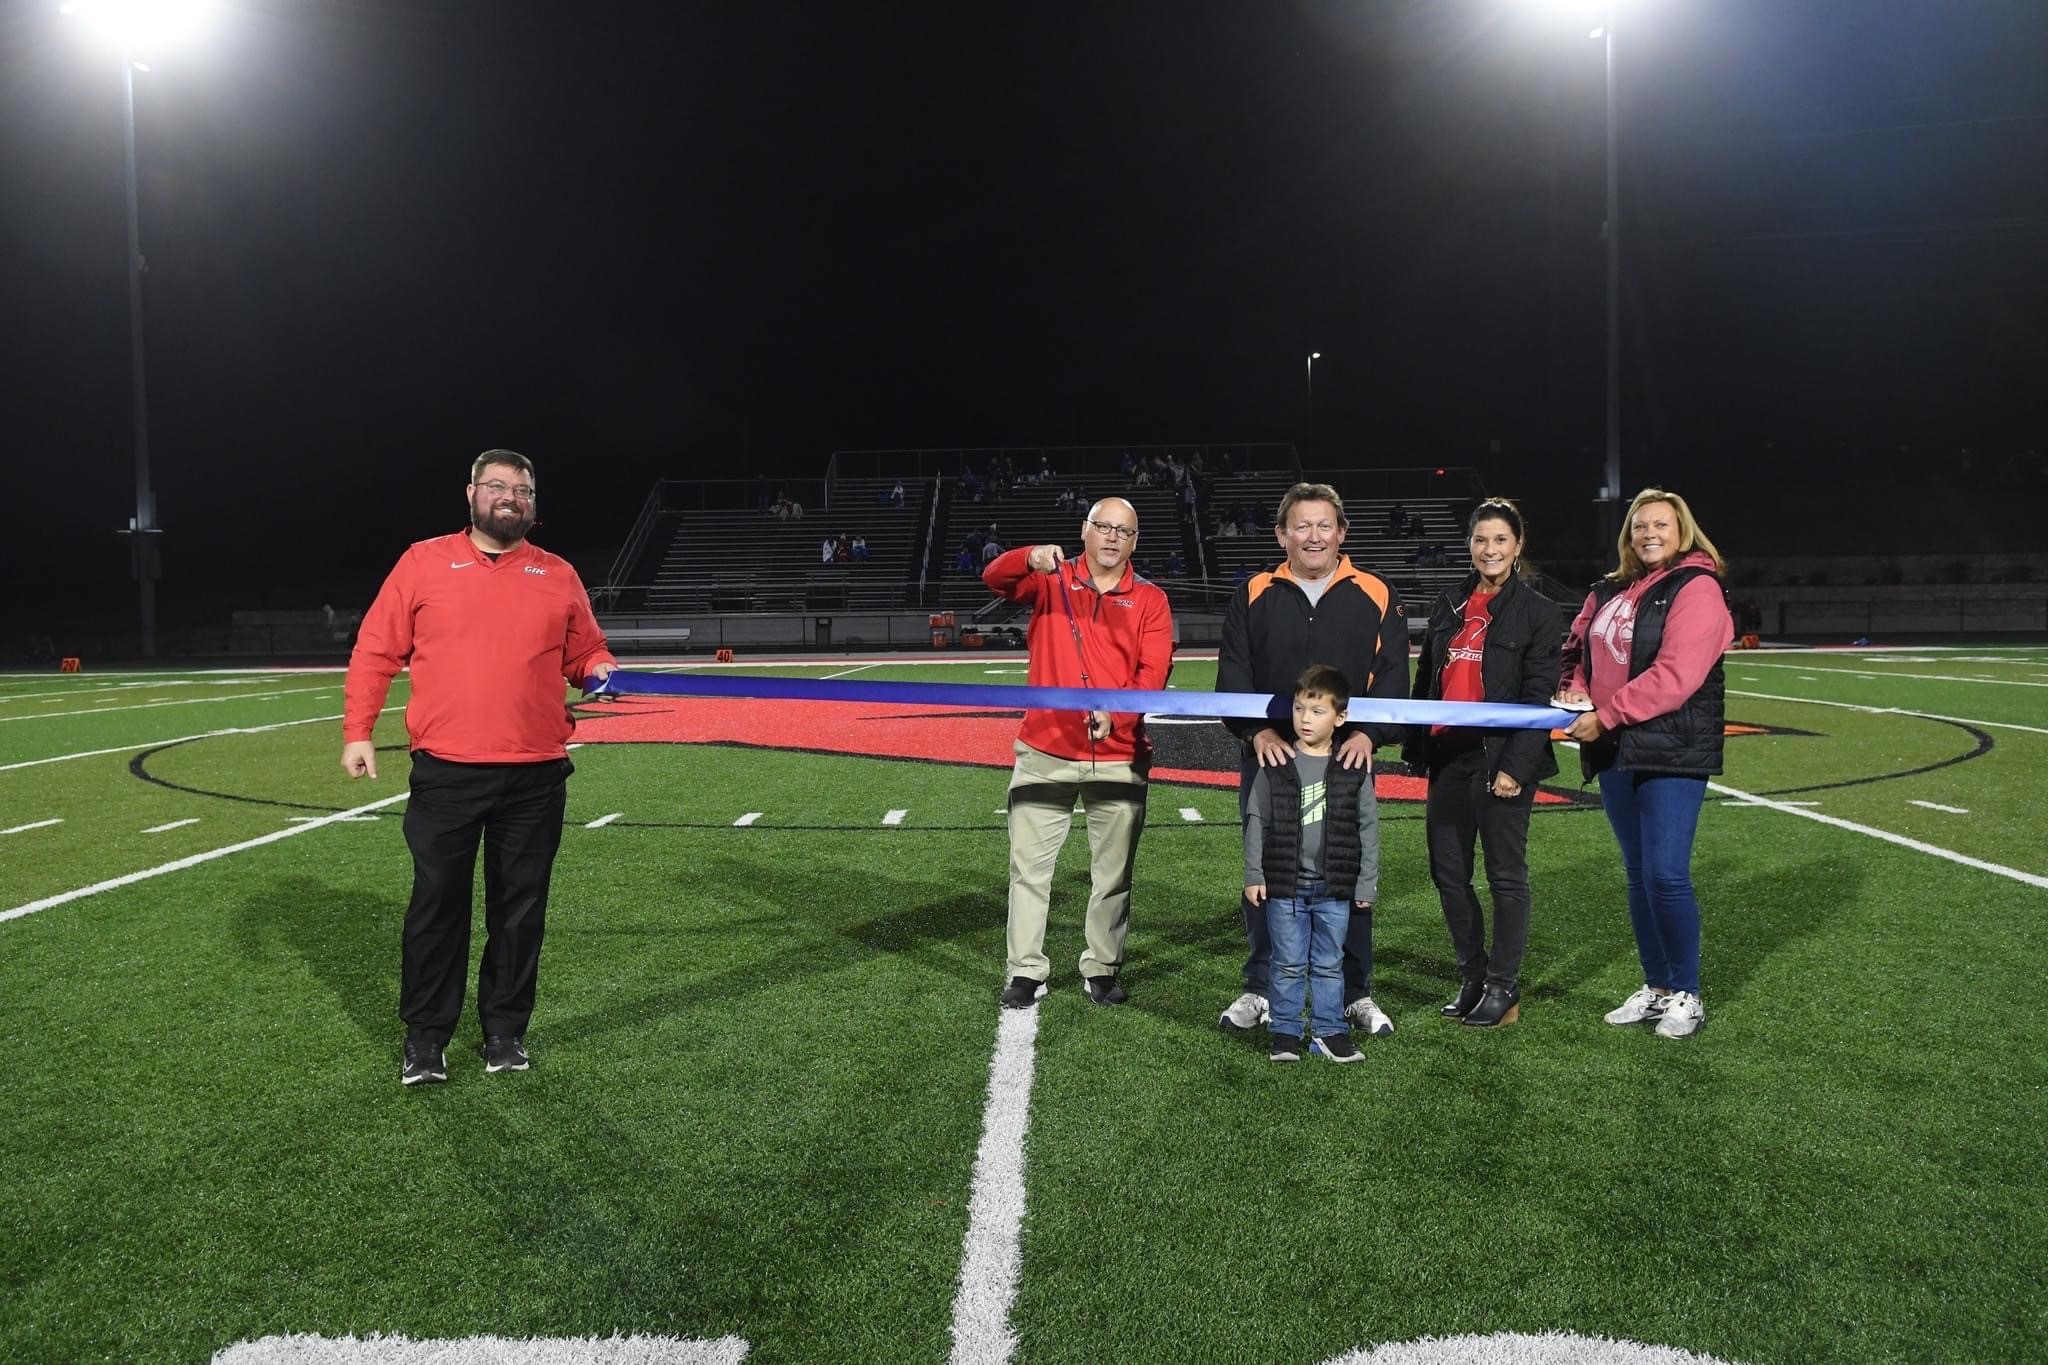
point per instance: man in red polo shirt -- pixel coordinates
(1094, 623)
(491, 628)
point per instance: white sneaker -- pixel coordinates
(1683, 1015)
(1368, 1018)
(1644, 1004)
(1246, 1013)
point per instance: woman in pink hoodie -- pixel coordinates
(1644, 656)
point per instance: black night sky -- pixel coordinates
(695, 240)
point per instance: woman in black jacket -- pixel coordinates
(1493, 639)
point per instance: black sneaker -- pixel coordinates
(1104, 990)
(1337, 1047)
(1284, 1048)
(503, 1052)
(1022, 993)
(424, 1064)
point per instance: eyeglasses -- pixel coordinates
(498, 488)
(1114, 531)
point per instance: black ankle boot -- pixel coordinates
(1500, 1005)
(1468, 996)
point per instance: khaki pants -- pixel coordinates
(1042, 792)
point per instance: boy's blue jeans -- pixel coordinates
(1307, 929)
(1654, 816)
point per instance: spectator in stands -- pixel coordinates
(489, 644)
(1129, 468)
(1176, 565)
(1244, 576)
(964, 560)
(1416, 526)
(842, 549)
(1067, 500)
(976, 538)
(1045, 472)
(1397, 519)
(1094, 623)
(780, 510)
(1491, 639)
(894, 497)
(860, 549)
(1143, 477)
(969, 484)
(1226, 529)
(796, 510)
(1315, 608)
(1187, 498)
(1645, 656)
(990, 550)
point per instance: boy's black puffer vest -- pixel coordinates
(1281, 856)
(1687, 740)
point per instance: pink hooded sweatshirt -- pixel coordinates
(1697, 629)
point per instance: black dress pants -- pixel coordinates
(1461, 807)
(515, 811)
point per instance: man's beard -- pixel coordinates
(508, 530)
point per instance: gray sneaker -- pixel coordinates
(1246, 1013)
(1368, 1018)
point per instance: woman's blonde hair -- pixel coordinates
(1690, 536)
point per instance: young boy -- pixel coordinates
(1311, 838)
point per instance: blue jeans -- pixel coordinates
(1307, 930)
(1654, 816)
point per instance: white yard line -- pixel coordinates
(894, 817)
(601, 821)
(175, 824)
(1923, 677)
(175, 739)
(1760, 805)
(749, 818)
(183, 701)
(1891, 711)
(1191, 815)
(844, 671)
(1936, 805)
(39, 824)
(991, 1256)
(195, 860)
(1999, 869)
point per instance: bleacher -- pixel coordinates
(753, 561)
(1028, 514)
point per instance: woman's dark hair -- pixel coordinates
(1501, 509)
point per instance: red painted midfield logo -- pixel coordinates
(977, 739)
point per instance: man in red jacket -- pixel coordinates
(492, 628)
(1094, 623)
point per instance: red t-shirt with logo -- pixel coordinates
(1459, 679)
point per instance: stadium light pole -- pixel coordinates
(130, 26)
(1612, 233)
(1313, 357)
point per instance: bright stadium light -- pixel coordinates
(134, 28)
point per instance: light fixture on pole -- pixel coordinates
(130, 27)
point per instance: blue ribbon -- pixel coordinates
(987, 696)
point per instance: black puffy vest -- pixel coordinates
(1281, 857)
(1688, 740)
